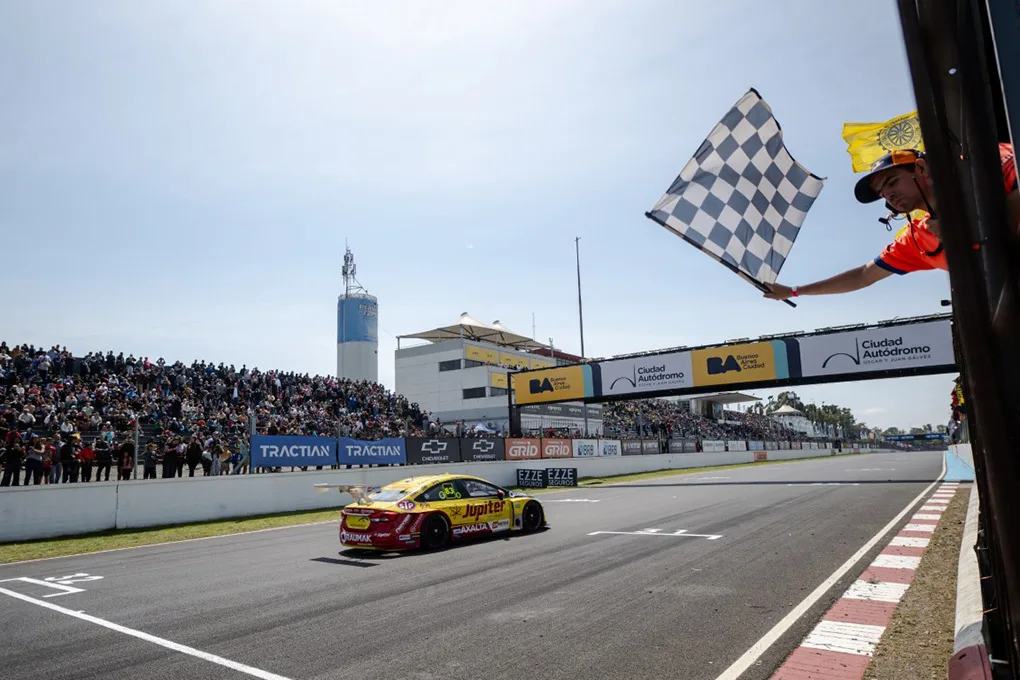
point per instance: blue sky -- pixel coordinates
(177, 178)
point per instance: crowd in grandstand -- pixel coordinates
(66, 419)
(658, 417)
(62, 416)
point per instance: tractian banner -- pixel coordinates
(482, 450)
(389, 451)
(422, 451)
(286, 451)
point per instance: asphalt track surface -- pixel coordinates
(562, 603)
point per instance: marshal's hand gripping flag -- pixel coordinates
(742, 198)
(867, 142)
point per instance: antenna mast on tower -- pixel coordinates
(349, 271)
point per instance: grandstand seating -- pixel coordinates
(187, 410)
(51, 392)
(654, 417)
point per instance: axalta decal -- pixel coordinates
(470, 529)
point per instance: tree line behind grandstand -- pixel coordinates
(67, 418)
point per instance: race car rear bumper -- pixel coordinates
(378, 540)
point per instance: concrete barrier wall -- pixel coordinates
(964, 453)
(57, 510)
(42, 512)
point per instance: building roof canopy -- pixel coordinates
(469, 328)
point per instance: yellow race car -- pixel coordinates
(432, 510)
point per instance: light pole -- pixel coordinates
(580, 318)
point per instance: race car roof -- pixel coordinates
(425, 480)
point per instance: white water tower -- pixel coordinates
(357, 328)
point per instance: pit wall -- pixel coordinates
(47, 511)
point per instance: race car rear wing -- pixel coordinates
(359, 492)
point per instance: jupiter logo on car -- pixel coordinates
(488, 508)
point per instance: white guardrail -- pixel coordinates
(47, 511)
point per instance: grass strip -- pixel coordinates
(129, 538)
(918, 642)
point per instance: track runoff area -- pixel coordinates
(716, 576)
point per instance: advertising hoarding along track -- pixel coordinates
(285, 451)
(918, 347)
(483, 450)
(421, 451)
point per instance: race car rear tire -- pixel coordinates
(532, 517)
(435, 532)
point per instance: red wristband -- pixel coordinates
(794, 292)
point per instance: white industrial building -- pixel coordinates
(460, 372)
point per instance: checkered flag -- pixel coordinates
(742, 198)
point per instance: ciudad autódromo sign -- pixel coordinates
(913, 347)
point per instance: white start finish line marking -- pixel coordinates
(59, 583)
(679, 533)
(184, 649)
(571, 500)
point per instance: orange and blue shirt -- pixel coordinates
(916, 249)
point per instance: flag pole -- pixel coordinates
(580, 318)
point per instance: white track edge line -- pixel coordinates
(175, 646)
(762, 645)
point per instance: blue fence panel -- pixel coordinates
(391, 451)
(289, 451)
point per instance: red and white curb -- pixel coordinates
(841, 646)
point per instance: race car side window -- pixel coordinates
(444, 491)
(431, 494)
(477, 489)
